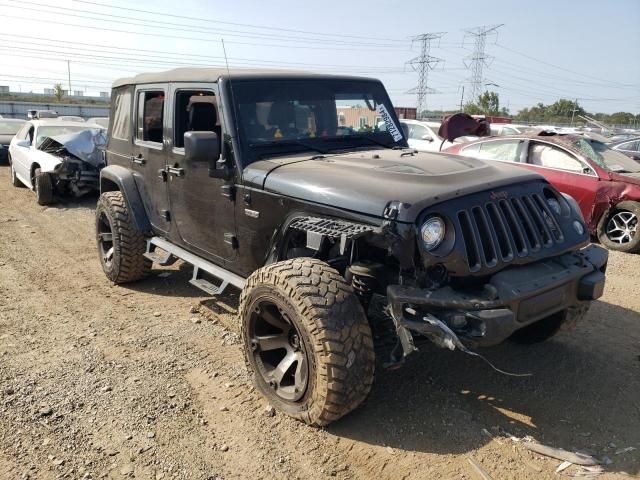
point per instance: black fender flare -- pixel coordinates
(280, 235)
(116, 177)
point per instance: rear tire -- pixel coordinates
(619, 228)
(307, 342)
(120, 245)
(14, 179)
(43, 186)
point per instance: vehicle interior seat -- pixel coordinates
(282, 116)
(203, 116)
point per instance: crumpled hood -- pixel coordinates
(365, 182)
(86, 145)
(633, 178)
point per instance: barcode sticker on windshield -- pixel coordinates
(388, 121)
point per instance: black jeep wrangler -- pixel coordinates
(300, 190)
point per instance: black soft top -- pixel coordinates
(210, 75)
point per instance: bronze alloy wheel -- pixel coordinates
(105, 239)
(278, 350)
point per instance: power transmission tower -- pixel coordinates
(478, 59)
(422, 64)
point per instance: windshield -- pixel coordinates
(278, 117)
(52, 131)
(10, 128)
(607, 158)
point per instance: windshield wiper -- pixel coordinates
(343, 138)
(276, 143)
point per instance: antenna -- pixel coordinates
(233, 98)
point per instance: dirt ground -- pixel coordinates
(148, 381)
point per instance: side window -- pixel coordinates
(506, 150)
(471, 150)
(630, 146)
(547, 156)
(122, 116)
(194, 111)
(416, 132)
(150, 116)
(30, 134)
(22, 133)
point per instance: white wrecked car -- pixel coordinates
(55, 157)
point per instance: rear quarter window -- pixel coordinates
(122, 116)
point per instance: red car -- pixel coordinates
(604, 182)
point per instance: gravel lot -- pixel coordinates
(147, 381)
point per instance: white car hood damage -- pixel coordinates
(86, 145)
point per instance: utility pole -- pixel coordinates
(462, 98)
(69, 73)
(478, 59)
(422, 64)
(574, 110)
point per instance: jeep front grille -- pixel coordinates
(499, 231)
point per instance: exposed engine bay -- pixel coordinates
(81, 158)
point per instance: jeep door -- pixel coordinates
(201, 207)
(149, 153)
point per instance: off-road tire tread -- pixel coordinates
(43, 187)
(129, 243)
(337, 325)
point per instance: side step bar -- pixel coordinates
(173, 252)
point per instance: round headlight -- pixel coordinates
(432, 232)
(577, 226)
(554, 205)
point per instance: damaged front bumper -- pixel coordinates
(511, 299)
(77, 177)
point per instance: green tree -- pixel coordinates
(621, 118)
(58, 92)
(489, 103)
(472, 109)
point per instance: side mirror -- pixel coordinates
(23, 143)
(201, 147)
(428, 138)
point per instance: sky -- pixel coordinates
(543, 50)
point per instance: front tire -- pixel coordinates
(307, 342)
(120, 244)
(43, 186)
(618, 228)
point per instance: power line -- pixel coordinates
(157, 24)
(182, 37)
(93, 49)
(479, 59)
(422, 64)
(173, 15)
(608, 82)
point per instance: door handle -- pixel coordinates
(178, 172)
(139, 160)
